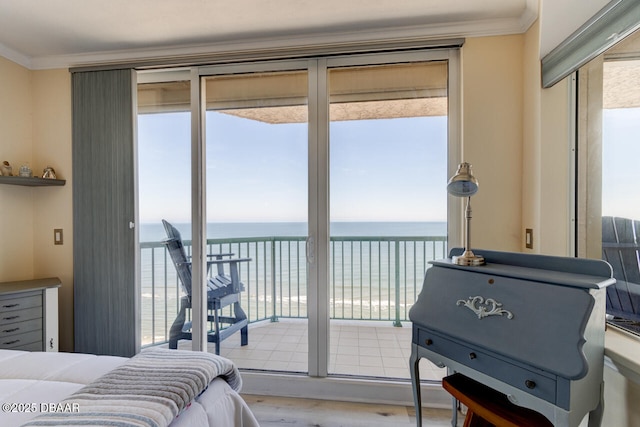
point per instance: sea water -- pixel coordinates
(154, 232)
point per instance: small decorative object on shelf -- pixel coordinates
(49, 173)
(7, 170)
(25, 171)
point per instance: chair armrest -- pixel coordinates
(219, 256)
(228, 261)
(233, 265)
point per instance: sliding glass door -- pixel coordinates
(388, 163)
(164, 188)
(256, 135)
(326, 178)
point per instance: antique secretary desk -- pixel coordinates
(529, 326)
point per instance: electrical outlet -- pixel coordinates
(57, 236)
(528, 238)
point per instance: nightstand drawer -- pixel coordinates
(34, 346)
(20, 315)
(20, 328)
(16, 341)
(534, 383)
(8, 304)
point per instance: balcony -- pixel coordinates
(373, 282)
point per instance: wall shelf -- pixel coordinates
(30, 182)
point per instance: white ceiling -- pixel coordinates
(58, 33)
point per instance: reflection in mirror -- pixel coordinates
(620, 205)
(612, 150)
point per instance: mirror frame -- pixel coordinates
(612, 23)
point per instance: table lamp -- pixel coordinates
(464, 184)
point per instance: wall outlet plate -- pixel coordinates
(57, 236)
(528, 238)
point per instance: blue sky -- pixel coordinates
(621, 162)
(381, 170)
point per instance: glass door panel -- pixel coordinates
(388, 208)
(164, 192)
(256, 158)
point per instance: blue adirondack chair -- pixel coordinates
(223, 290)
(621, 249)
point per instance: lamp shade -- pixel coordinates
(463, 183)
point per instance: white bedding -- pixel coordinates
(32, 381)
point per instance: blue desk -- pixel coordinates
(529, 326)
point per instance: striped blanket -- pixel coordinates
(150, 389)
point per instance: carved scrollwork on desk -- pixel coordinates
(484, 308)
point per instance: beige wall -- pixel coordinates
(16, 202)
(53, 206)
(546, 159)
(492, 80)
(35, 128)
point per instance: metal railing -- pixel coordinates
(371, 278)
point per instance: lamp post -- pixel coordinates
(464, 184)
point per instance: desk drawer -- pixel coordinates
(20, 315)
(531, 382)
(23, 340)
(20, 328)
(8, 304)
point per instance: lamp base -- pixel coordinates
(468, 258)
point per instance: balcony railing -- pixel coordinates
(371, 278)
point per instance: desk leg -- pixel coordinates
(414, 362)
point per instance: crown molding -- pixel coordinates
(173, 54)
(16, 57)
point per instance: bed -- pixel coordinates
(155, 388)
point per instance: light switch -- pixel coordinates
(528, 238)
(57, 236)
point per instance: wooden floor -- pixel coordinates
(295, 412)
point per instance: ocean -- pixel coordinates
(154, 232)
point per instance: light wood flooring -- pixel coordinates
(296, 412)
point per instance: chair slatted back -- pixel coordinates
(178, 256)
(621, 249)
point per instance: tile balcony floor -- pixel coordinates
(360, 348)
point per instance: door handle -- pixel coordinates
(311, 250)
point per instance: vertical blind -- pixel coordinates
(104, 256)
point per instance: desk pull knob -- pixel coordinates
(472, 356)
(530, 384)
(428, 341)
